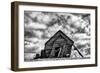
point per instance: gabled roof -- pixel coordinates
(56, 35)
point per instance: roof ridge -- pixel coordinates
(61, 33)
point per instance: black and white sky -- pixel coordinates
(40, 26)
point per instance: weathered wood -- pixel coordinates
(60, 41)
(59, 52)
(78, 51)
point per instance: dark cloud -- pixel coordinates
(40, 26)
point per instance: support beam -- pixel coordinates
(77, 51)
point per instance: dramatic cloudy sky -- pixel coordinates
(40, 26)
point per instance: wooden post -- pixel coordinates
(63, 49)
(59, 52)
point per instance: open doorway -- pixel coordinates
(57, 51)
